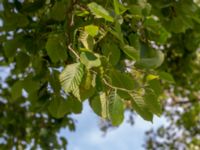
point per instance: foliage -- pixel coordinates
(117, 55)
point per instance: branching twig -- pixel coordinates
(118, 88)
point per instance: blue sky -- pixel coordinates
(89, 137)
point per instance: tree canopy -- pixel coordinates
(137, 55)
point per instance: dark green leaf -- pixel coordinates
(22, 60)
(95, 104)
(112, 52)
(16, 90)
(122, 80)
(116, 109)
(58, 12)
(30, 85)
(56, 47)
(58, 107)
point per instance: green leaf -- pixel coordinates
(152, 102)
(100, 12)
(95, 104)
(92, 30)
(122, 80)
(56, 47)
(134, 41)
(156, 32)
(54, 81)
(155, 86)
(179, 24)
(166, 76)
(151, 77)
(88, 85)
(136, 10)
(87, 40)
(22, 60)
(15, 20)
(58, 107)
(140, 107)
(117, 32)
(71, 77)
(100, 105)
(153, 62)
(32, 6)
(58, 11)
(30, 85)
(16, 90)
(118, 7)
(10, 47)
(75, 105)
(112, 52)
(116, 109)
(90, 60)
(131, 52)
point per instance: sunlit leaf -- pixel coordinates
(92, 30)
(71, 77)
(90, 60)
(99, 11)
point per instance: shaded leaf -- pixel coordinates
(151, 100)
(140, 107)
(58, 107)
(166, 76)
(95, 104)
(122, 80)
(116, 108)
(22, 60)
(111, 51)
(56, 47)
(58, 11)
(16, 90)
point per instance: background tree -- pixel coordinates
(118, 55)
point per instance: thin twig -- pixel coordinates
(186, 102)
(118, 88)
(73, 51)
